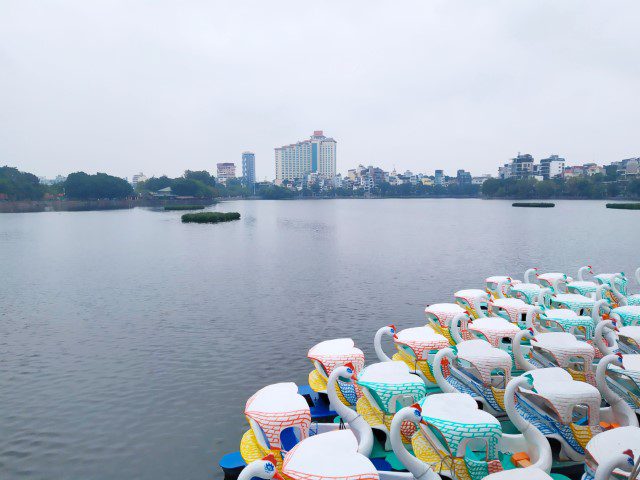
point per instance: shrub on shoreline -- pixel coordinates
(624, 206)
(533, 204)
(210, 217)
(184, 207)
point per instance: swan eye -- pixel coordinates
(349, 370)
(417, 413)
(268, 467)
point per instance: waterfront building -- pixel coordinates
(480, 180)
(249, 168)
(439, 177)
(463, 177)
(552, 167)
(226, 171)
(138, 178)
(316, 155)
(427, 182)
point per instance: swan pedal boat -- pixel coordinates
(556, 349)
(328, 355)
(439, 316)
(387, 387)
(514, 310)
(550, 280)
(474, 301)
(610, 455)
(416, 347)
(476, 368)
(457, 439)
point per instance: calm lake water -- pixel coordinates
(129, 342)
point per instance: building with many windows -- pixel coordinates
(552, 167)
(138, 178)
(463, 177)
(316, 155)
(249, 168)
(226, 171)
(439, 177)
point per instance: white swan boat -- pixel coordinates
(458, 440)
(514, 310)
(476, 368)
(330, 354)
(416, 347)
(474, 301)
(439, 316)
(610, 455)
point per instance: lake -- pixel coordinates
(129, 342)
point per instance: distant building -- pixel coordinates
(138, 178)
(226, 171)
(439, 177)
(480, 180)
(522, 166)
(316, 155)
(463, 177)
(552, 167)
(426, 181)
(249, 168)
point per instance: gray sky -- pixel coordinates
(162, 86)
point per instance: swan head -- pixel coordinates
(590, 269)
(417, 412)
(393, 331)
(630, 457)
(618, 361)
(351, 371)
(529, 334)
(269, 467)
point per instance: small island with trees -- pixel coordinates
(210, 217)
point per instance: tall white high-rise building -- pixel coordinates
(316, 155)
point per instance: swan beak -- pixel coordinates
(395, 337)
(354, 377)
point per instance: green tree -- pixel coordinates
(81, 186)
(17, 185)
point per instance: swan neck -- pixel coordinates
(518, 353)
(445, 386)
(419, 469)
(534, 437)
(356, 423)
(377, 344)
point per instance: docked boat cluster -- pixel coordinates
(531, 379)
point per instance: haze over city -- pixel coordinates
(159, 87)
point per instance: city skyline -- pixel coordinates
(450, 85)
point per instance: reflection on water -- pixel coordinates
(129, 342)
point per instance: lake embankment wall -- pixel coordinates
(83, 205)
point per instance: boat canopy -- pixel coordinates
(421, 340)
(494, 329)
(388, 382)
(336, 353)
(484, 358)
(329, 455)
(277, 407)
(456, 417)
(563, 393)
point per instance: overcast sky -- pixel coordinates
(162, 86)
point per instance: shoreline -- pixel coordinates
(36, 206)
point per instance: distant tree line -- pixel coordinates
(17, 185)
(588, 187)
(82, 186)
